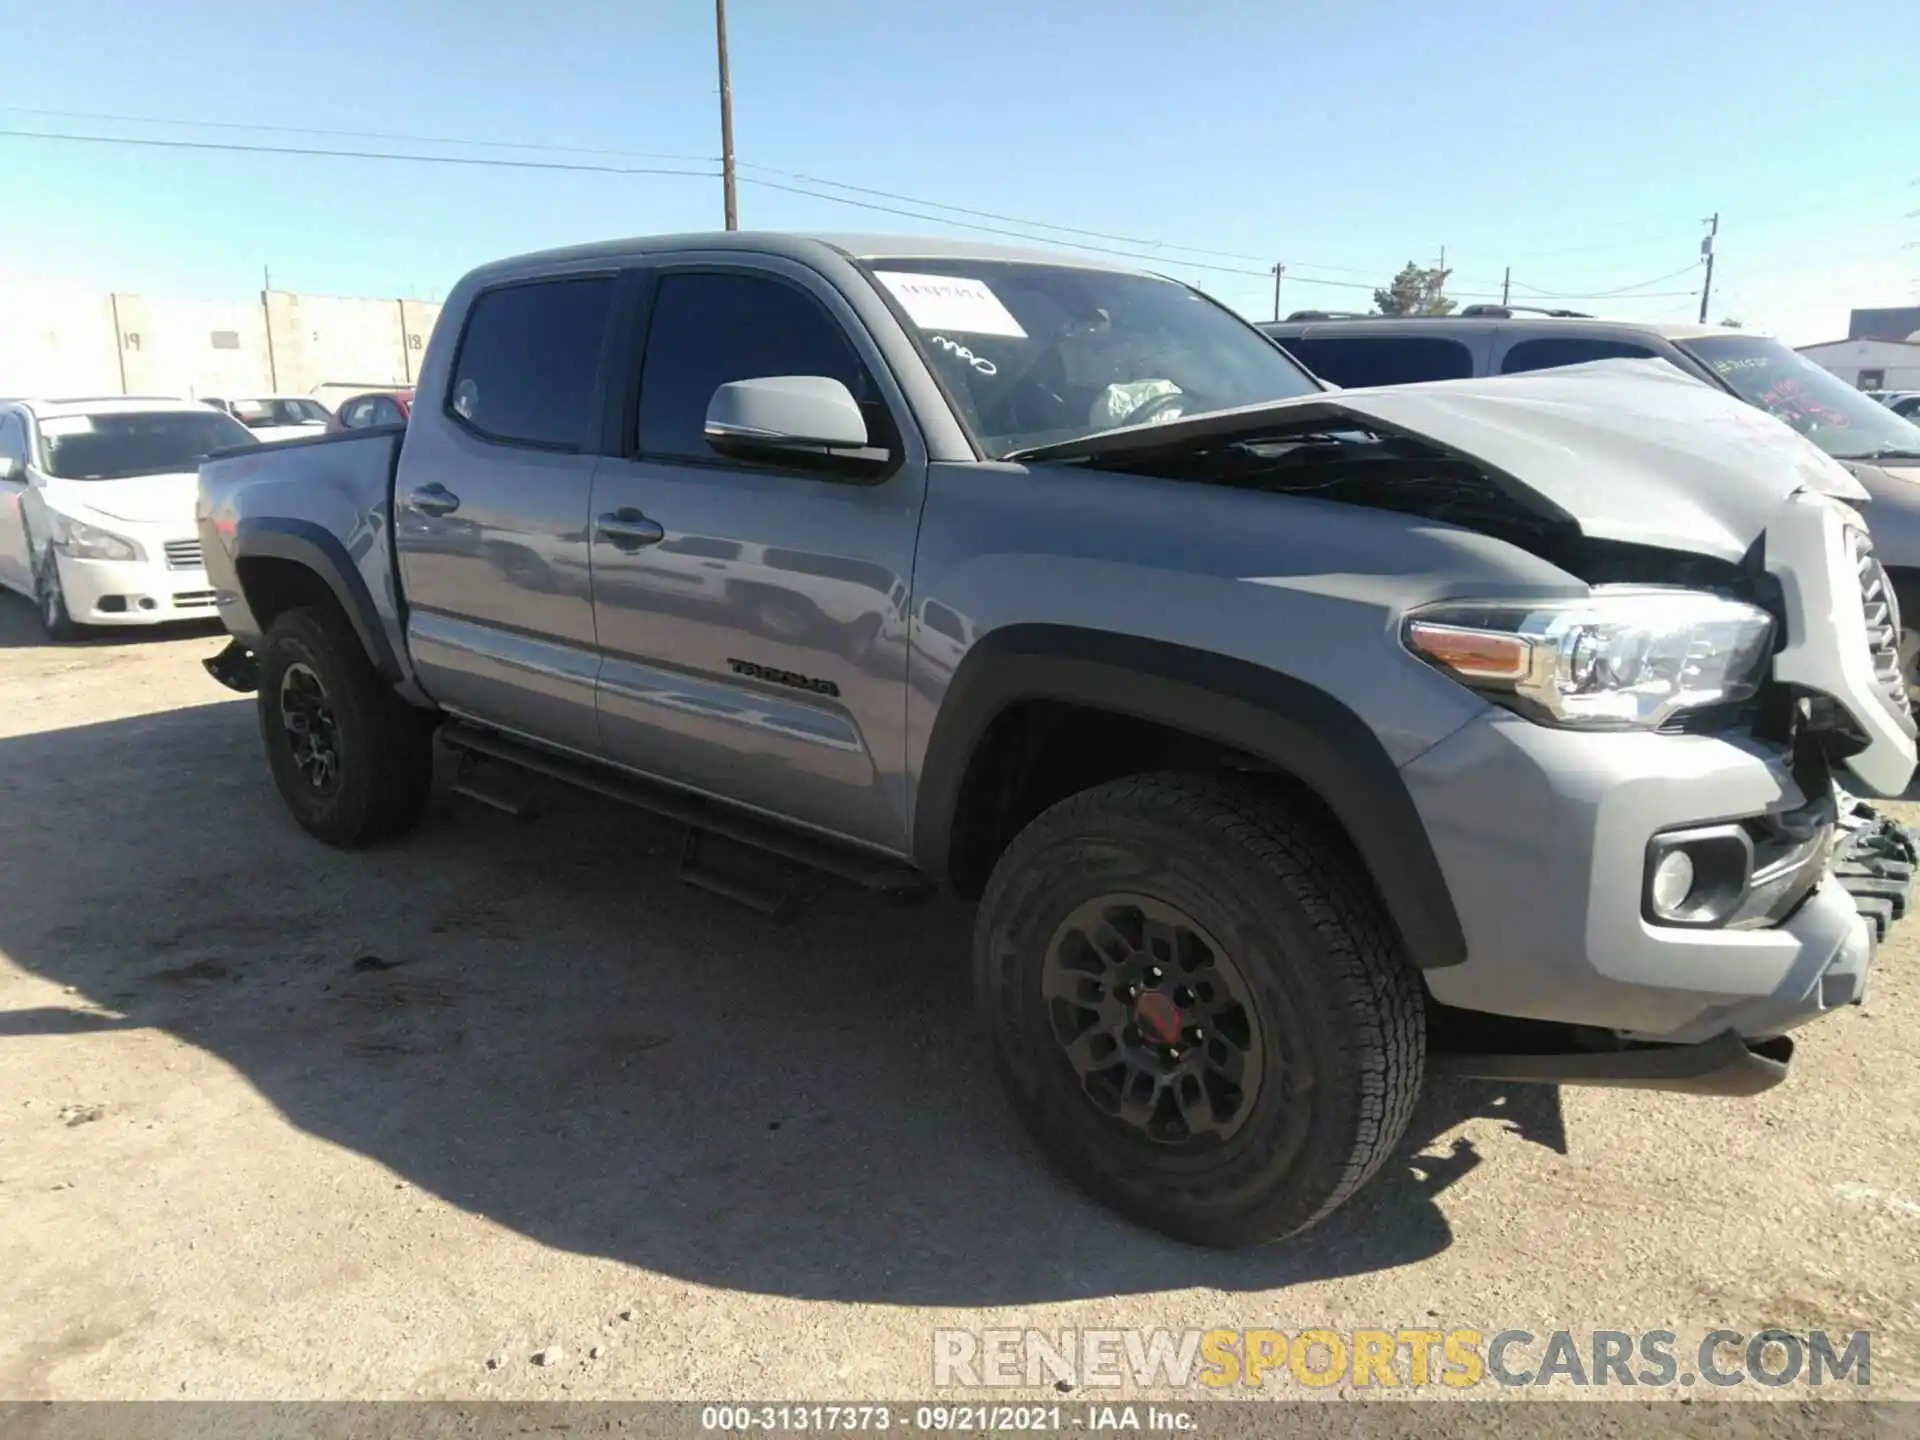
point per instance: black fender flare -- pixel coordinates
(319, 550)
(1298, 728)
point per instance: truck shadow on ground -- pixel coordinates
(541, 1024)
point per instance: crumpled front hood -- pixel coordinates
(1629, 450)
(138, 499)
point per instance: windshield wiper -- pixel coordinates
(1891, 452)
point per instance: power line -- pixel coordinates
(1158, 247)
(352, 134)
(1009, 234)
(497, 162)
(1138, 255)
(487, 161)
(1142, 242)
(1161, 249)
(1031, 224)
(1005, 233)
(234, 147)
(1157, 255)
(1624, 291)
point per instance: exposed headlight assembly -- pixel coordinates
(89, 542)
(1623, 657)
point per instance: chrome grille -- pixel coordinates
(1882, 611)
(183, 554)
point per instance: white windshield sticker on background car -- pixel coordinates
(56, 426)
(951, 302)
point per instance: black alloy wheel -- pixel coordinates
(1155, 1018)
(306, 719)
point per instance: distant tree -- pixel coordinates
(1416, 290)
(1730, 323)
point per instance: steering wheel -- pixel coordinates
(1023, 402)
(1163, 407)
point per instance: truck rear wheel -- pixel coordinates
(1197, 1007)
(352, 760)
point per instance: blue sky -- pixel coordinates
(1581, 143)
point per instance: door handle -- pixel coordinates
(628, 529)
(433, 499)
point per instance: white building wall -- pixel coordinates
(333, 340)
(1898, 362)
(56, 342)
(420, 316)
(192, 347)
(69, 341)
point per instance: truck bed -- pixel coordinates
(332, 494)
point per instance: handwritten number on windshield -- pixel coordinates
(961, 352)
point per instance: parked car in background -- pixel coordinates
(96, 508)
(1874, 442)
(278, 417)
(333, 393)
(381, 407)
(1901, 402)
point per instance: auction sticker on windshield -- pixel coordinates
(55, 426)
(951, 302)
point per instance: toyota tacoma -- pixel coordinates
(1296, 743)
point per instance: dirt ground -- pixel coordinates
(281, 1122)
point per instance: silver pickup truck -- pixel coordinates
(1296, 743)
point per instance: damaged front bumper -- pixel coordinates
(1552, 882)
(1874, 859)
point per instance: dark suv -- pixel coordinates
(1881, 448)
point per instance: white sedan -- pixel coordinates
(96, 508)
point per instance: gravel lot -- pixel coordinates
(281, 1122)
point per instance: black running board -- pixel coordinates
(872, 872)
(1724, 1065)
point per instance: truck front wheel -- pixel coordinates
(1197, 1007)
(352, 760)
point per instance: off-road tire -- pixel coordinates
(384, 745)
(1341, 1013)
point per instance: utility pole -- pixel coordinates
(1712, 222)
(1279, 274)
(1506, 283)
(726, 116)
(266, 326)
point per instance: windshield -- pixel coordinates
(155, 442)
(1838, 418)
(279, 411)
(1035, 353)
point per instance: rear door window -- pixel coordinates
(529, 362)
(1356, 361)
(1549, 352)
